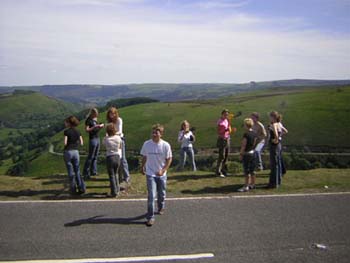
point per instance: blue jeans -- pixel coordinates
(124, 167)
(183, 154)
(258, 150)
(275, 164)
(71, 159)
(156, 187)
(90, 166)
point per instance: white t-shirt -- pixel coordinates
(156, 154)
(119, 127)
(113, 144)
(184, 139)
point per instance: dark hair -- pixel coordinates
(256, 115)
(72, 121)
(275, 115)
(225, 111)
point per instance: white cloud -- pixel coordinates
(220, 4)
(86, 47)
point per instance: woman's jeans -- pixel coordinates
(224, 148)
(258, 150)
(183, 154)
(90, 167)
(156, 187)
(124, 167)
(113, 163)
(71, 159)
(275, 164)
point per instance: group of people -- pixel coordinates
(157, 154)
(252, 144)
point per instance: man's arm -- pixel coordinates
(143, 168)
(166, 166)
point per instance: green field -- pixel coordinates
(31, 110)
(314, 117)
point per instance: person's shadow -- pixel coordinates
(138, 220)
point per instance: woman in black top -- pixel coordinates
(275, 151)
(72, 140)
(93, 128)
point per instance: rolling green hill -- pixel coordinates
(26, 109)
(314, 117)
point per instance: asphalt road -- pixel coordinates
(263, 229)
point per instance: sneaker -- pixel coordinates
(243, 189)
(150, 222)
(222, 175)
(252, 187)
(161, 212)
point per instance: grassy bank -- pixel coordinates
(54, 186)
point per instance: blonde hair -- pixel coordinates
(111, 129)
(93, 112)
(248, 122)
(185, 122)
(158, 127)
(115, 114)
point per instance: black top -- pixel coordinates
(272, 134)
(251, 138)
(92, 123)
(73, 141)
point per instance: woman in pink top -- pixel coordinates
(223, 143)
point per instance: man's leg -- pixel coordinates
(152, 191)
(161, 192)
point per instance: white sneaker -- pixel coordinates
(222, 175)
(243, 189)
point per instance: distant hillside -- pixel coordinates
(314, 117)
(26, 109)
(100, 94)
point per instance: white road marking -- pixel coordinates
(124, 259)
(176, 198)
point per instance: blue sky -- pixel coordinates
(144, 41)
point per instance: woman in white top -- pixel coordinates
(113, 117)
(113, 143)
(186, 138)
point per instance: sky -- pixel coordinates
(172, 41)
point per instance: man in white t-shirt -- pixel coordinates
(157, 157)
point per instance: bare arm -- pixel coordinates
(275, 131)
(166, 166)
(143, 168)
(243, 145)
(284, 129)
(81, 140)
(65, 140)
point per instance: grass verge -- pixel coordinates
(55, 187)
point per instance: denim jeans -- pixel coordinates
(275, 164)
(156, 187)
(71, 159)
(224, 147)
(124, 167)
(113, 163)
(90, 166)
(183, 154)
(258, 150)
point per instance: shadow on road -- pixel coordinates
(105, 220)
(226, 189)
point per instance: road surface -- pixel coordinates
(259, 229)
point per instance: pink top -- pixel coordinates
(223, 130)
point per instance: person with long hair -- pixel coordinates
(92, 127)
(186, 138)
(223, 143)
(275, 151)
(282, 130)
(113, 117)
(72, 141)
